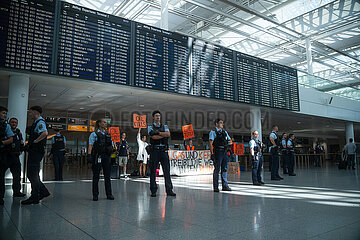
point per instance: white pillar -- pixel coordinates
(18, 103)
(164, 21)
(349, 128)
(255, 121)
(309, 56)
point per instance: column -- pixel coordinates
(309, 56)
(255, 121)
(349, 128)
(18, 104)
(164, 21)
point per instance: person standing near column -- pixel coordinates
(100, 148)
(350, 149)
(257, 159)
(58, 151)
(17, 147)
(142, 156)
(123, 152)
(159, 136)
(36, 150)
(274, 151)
(6, 138)
(291, 154)
(219, 142)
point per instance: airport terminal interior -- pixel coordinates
(263, 67)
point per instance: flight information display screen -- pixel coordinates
(253, 80)
(213, 71)
(285, 91)
(26, 34)
(93, 45)
(161, 60)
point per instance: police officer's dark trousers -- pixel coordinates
(256, 168)
(15, 169)
(156, 156)
(38, 189)
(291, 162)
(58, 159)
(285, 158)
(274, 163)
(3, 168)
(105, 164)
(220, 163)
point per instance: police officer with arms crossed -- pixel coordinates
(36, 149)
(100, 148)
(291, 154)
(274, 151)
(159, 134)
(6, 138)
(257, 158)
(219, 142)
(284, 154)
(58, 151)
(17, 147)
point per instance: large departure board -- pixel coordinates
(161, 60)
(27, 34)
(213, 71)
(253, 80)
(93, 45)
(284, 87)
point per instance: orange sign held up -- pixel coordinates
(238, 149)
(139, 121)
(188, 131)
(115, 134)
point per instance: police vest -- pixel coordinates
(188, 148)
(257, 147)
(59, 143)
(220, 141)
(16, 145)
(292, 144)
(103, 144)
(277, 140)
(40, 146)
(123, 148)
(163, 141)
(3, 125)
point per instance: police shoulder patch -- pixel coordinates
(41, 126)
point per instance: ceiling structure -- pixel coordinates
(275, 30)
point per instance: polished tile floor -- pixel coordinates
(319, 203)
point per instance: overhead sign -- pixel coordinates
(139, 121)
(115, 134)
(188, 131)
(238, 149)
(77, 128)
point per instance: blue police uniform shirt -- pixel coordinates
(14, 131)
(8, 132)
(283, 141)
(289, 142)
(93, 137)
(53, 139)
(212, 134)
(40, 126)
(150, 128)
(252, 143)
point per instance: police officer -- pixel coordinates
(58, 151)
(36, 149)
(100, 148)
(274, 151)
(291, 154)
(219, 142)
(159, 136)
(257, 158)
(17, 148)
(6, 138)
(284, 153)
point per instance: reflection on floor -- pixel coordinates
(316, 204)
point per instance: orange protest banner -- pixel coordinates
(139, 121)
(115, 134)
(188, 131)
(238, 149)
(77, 128)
